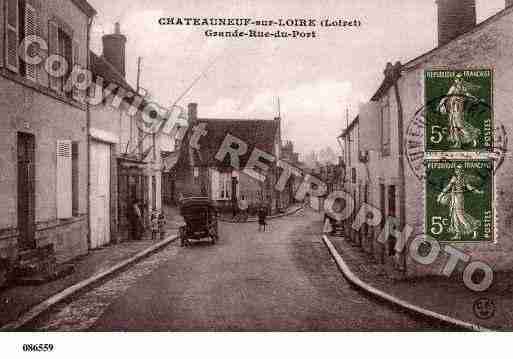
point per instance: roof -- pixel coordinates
(480, 26)
(85, 7)
(350, 127)
(388, 82)
(169, 160)
(101, 67)
(260, 134)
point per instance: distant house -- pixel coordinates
(289, 156)
(198, 172)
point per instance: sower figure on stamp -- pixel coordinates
(453, 195)
(460, 131)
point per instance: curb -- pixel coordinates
(353, 279)
(42, 307)
(252, 220)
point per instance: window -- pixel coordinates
(22, 20)
(225, 185)
(196, 174)
(12, 28)
(348, 152)
(153, 192)
(385, 128)
(221, 185)
(353, 175)
(391, 201)
(60, 42)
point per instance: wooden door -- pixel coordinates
(100, 194)
(26, 191)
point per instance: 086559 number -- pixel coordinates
(38, 347)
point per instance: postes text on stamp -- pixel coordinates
(459, 114)
(459, 200)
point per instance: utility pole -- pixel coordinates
(139, 59)
(347, 117)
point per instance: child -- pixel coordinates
(155, 216)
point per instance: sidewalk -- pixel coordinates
(447, 296)
(17, 300)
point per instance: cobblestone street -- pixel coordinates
(283, 279)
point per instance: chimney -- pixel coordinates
(455, 17)
(114, 49)
(192, 113)
(509, 3)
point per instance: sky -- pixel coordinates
(316, 80)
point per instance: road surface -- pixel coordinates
(280, 280)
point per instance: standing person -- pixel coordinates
(155, 218)
(243, 207)
(135, 219)
(235, 208)
(262, 218)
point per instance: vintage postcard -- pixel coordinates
(254, 166)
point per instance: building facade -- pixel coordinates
(127, 165)
(43, 133)
(379, 171)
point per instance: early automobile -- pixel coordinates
(200, 216)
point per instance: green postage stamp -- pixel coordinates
(459, 200)
(459, 110)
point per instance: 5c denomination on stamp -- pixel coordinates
(459, 200)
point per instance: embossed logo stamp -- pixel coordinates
(484, 308)
(459, 200)
(459, 110)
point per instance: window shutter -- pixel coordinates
(31, 28)
(11, 36)
(53, 47)
(2, 36)
(76, 93)
(64, 179)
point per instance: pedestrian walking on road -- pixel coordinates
(243, 208)
(262, 218)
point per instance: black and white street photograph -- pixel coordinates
(252, 167)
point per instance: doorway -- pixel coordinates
(26, 191)
(100, 194)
